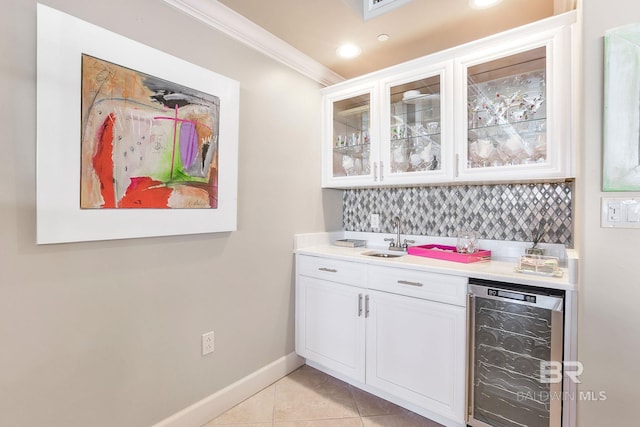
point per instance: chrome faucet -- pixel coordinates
(394, 244)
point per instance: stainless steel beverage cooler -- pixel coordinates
(513, 330)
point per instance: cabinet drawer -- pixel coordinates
(350, 273)
(419, 284)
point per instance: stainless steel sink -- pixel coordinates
(383, 254)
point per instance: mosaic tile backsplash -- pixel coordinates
(498, 212)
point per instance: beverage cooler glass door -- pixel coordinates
(514, 334)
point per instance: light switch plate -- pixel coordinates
(620, 212)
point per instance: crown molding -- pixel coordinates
(236, 26)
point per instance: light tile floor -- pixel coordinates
(310, 398)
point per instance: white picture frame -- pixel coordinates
(621, 152)
(61, 41)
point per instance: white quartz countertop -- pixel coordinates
(496, 269)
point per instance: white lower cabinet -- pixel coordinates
(416, 351)
(329, 329)
(407, 347)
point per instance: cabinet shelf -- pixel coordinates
(359, 150)
(528, 382)
(410, 139)
(518, 126)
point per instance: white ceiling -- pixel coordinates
(420, 27)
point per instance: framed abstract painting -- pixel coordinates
(132, 142)
(621, 156)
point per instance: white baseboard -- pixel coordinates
(218, 403)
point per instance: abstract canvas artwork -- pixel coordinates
(131, 141)
(146, 142)
(621, 165)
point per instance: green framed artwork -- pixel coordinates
(621, 156)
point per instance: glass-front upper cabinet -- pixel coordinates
(349, 135)
(514, 115)
(494, 110)
(506, 110)
(351, 123)
(417, 142)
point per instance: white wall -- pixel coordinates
(609, 336)
(108, 333)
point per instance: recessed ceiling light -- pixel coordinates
(348, 50)
(383, 37)
(483, 4)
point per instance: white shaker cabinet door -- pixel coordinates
(331, 325)
(416, 351)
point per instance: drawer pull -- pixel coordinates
(329, 270)
(406, 282)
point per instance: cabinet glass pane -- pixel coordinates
(415, 126)
(507, 114)
(351, 143)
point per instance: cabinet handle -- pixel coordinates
(471, 342)
(375, 171)
(329, 270)
(359, 305)
(406, 282)
(457, 164)
(381, 172)
(366, 306)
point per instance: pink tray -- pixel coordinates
(448, 253)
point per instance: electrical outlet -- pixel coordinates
(207, 343)
(375, 221)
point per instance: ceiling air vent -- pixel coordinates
(372, 8)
